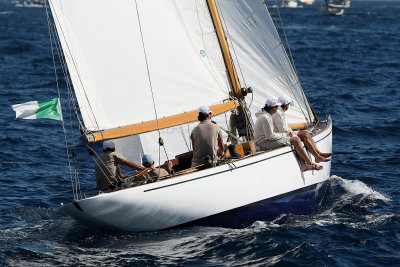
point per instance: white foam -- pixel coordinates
(356, 187)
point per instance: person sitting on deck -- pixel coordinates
(281, 126)
(148, 162)
(206, 139)
(107, 167)
(266, 138)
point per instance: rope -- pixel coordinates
(78, 74)
(233, 47)
(249, 121)
(95, 161)
(291, 60)
(74, 192)
(71, 99)
(184, 138)
(151, 86)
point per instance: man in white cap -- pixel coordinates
(281, 126)
(107, 167)
(206, 139)
(266, 138)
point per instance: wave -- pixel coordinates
(357, 188)
(6, 12)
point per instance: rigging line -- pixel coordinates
(184, 138)
(277, 62)
(105, 166)
(58, 89)
(233, 47)
(55, 17)
(57, 44)
(291, 60)
(190, 143)
(249, 121)
(65, 72)
(148, 75)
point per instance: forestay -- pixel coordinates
(122, 53)
(260, 58)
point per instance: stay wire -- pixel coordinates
(55, 18)
(291, 59)
(75, 195)
(249, 121)
(151, 86)
(71, 99)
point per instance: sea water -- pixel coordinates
(349, 67)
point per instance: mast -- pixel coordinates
(236, 91)
(233, 79)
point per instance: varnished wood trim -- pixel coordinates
(163, 123)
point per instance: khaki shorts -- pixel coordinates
(270, 144)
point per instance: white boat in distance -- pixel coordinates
(289, 3)
(140, 69)
(336, 7)
(307, 2)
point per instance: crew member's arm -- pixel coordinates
(121, 175)
(133, 165)
(221, 146)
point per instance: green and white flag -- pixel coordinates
(42, 109)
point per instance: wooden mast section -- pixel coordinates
(233, 78)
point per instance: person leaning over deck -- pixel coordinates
(148, 162)
(107, 167)
(266, 138)
(281, 126)
(206, 139)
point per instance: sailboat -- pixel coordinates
(336, 7)
(289, 3)
(139, 70)
(307, 2)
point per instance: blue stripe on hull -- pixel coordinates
(301, 202)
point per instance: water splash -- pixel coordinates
(357, 188)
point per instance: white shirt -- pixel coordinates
(280, 124)
(264, 128)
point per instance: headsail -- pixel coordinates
(260, 58)
(121, 59)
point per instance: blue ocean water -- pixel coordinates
(349, 67)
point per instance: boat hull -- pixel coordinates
(259, 187)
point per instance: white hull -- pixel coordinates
(184, 199)
(335, 11)
(290, 4)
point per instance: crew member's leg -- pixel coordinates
(312, 147)
(305, 162)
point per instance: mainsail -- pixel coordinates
(260, 58)
(146, 62)
(138, 58)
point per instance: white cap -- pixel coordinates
(205, 110)
(284, 101)
(108, 144)
(270, 102)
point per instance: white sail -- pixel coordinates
(259, 56)
(119, 58)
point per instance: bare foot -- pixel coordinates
(306, 167)
(317, 167)
(326, 155)
(321, 159)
